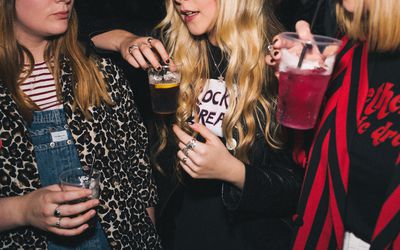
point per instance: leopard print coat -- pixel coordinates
(114, 141)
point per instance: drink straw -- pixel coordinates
(309, 45)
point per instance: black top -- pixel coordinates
(211, 214)
(375, 148)
(202, 221)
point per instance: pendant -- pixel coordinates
(220, 78)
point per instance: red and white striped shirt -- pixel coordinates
(41, 88)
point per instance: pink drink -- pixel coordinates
(300, 96)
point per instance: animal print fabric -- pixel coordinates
(114, 141)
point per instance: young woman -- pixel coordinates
(59, 110)
(243, 186)
(351, 195)
(240, 186)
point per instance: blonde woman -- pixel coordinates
(59, 110)
(351, 198)
(240, 187)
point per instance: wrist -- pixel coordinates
(236, 173)
(20, 214)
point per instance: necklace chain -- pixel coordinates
(220, 77)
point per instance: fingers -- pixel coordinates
(304, 31)
(68, 196)
(69, 232)
(74, 209)
(203, 131)
(73, 222)
(160, 49)
(187, 165)
(181, 135)
(145, 52)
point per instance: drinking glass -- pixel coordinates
(76, 178)
(302, 85)
(164, 88)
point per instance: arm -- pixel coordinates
(11, 213)
(272, 184)
(117, 26)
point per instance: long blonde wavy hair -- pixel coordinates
(377, 22)
(242, 30)
(90, 88)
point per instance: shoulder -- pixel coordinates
(113, 74)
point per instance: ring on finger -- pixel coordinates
(191, 144)
(57, 212)
(185, 151)
(58, 222)
(149, 39)
(270, 49)
(132, 48)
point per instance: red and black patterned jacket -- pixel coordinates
(321, 214)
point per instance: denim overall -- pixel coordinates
(55, 152)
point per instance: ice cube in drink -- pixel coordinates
(300, 96)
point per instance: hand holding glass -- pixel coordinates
(301, 89)
(76, 178)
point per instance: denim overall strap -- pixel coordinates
(55, 152)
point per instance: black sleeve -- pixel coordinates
(272, 183)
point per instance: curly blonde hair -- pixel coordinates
(242, 30)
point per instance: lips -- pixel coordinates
(189, 15)
(62, 14)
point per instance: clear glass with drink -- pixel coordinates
(164, 88)
(77, 178)
(301, 89)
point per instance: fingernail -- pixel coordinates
(276, 53)
(167, 61)
(190, 122)
(274, 41)
(272, 60)
(158, 68)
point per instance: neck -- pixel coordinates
(36, 46)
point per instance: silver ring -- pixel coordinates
(57, 212)
(132, 48)
(58, 222)
(270, 48)
(185, 151)
(149, 39)
(191, 144)
(184, 159)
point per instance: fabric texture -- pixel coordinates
(322, 206)
(114, 141)
(55, 152)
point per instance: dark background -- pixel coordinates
(140, 16)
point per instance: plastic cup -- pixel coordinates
(164, 88)
(301, 90)
(76, 178)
